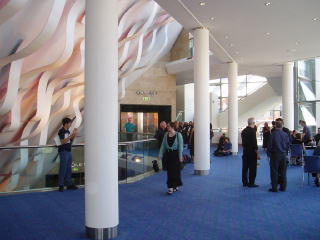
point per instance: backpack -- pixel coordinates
(155, 165)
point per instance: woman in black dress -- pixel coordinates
(172, 146)
(266, 135)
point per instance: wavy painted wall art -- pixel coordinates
(42, 72)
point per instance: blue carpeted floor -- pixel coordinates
(209, 207)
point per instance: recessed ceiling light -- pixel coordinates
(316, 19)
(202, 3)
(267, 4)
(212, 18)
(231, 44)
(226, 37)
(291, 50)
(297, 42)
(267, 33)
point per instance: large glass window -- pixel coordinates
(247, 84)
(307, 93)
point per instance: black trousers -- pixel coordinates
(173, 169)
(278, 170)
(249, 165)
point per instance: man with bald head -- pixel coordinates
(250, 154)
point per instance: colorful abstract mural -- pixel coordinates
(42, 69)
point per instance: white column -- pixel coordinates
(287, 95)
(201, 102)
(101, 119)
(317, 113)
(140, 122)
(189, 102)
(233, 106)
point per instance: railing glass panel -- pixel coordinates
(34, 168)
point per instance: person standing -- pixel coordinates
(172, 145)
(278, 147)
(191, 145)
(160, 132)
(65, 155)
(306, 133)
(265, 134)
(159, 136)
(129, 128)
(250, 154)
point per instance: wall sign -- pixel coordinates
(146, 93)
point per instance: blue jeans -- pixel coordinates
(65, 168)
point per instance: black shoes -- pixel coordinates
(272, 190)
(253, 185)
(72, 187)
(61, 188)
(250, 185)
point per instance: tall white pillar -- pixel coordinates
(317, 77)
(233, 106)
(101, 119)
(287, 95)
(201, 102)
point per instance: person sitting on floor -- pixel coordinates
(226, 149)
(220, 144)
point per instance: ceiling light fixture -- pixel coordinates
(231, 44)
(202, 4)
(316, 19)
(297, 43)
(226, 37)
(267, 33)
(212, 18)
(267, 4)
(291, 50)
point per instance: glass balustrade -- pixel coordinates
(33, 168)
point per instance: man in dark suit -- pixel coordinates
(278, 147)
(250, 154)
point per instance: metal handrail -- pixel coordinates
(73, 145)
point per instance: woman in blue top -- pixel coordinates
(172, 146)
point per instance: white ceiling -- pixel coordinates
(251, 33)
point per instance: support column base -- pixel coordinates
(201, 172)
(101, 233)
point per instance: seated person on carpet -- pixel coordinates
(298, 140)
(220, 144)
(226, 150)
